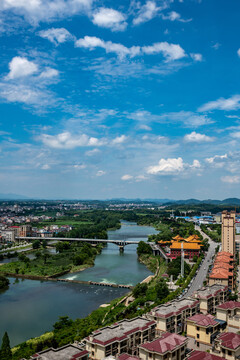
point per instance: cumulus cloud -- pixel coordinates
(100, 173)
(66, 140)
(56, 35)
(35, 11)
(171, 166)
(232, 103)
(211, 160)
(174, 16)
(119, 140)
(126, 177)
(49, 73)
(231, 179)
(196, 57)
(238, 52)
(147, 12)
(92, 152)
(110, 19)
(198, 138)
(169, 51)
(21, 67)
(144, 127)
(235, 135)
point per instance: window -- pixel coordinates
(198, 328)
(197, 344)
(229, 352)
(197, 336)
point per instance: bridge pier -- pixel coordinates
(121, 249)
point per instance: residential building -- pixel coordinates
(227, 345)
(203, 329)
(67, 352)
(223, 274)
(25, 231)
(211, 296)
(171, 317)
(121, 337)
(168, 346)
(8, 235)
(230, 312)
(202, 355)
(228, 231)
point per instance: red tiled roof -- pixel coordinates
(167, 342)
(218, 273)
(230, 305)
(127, 357)
(204, 320)
(230, 340)
(80, 354)
(202, 355)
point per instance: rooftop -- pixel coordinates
(229, 305)
(218, 273)
(202, 355)
(67, 352)
(174, 307)
(203, 320)
(186, 246)
(209, 291)
(230, 340)
(167, 342)
(127, 357)
(119, 330)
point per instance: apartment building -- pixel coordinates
(121, 337)
(202, 355)
(230, 312)
(171, 317)
(67, 352)
(228, 231)
(168, 346)
(203, 329)
(25, 231)
(227, 345)
(222, 272)
(210, 297)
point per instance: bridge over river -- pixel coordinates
(120, 243)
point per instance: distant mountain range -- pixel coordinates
(13, 197)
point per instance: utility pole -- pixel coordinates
(182, 261)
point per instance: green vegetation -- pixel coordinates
(72, 258)
(213, 231)
(143, 248)
(4, 282)
(5, 351)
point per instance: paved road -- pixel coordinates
(203, 270)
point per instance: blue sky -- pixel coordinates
(102, 99)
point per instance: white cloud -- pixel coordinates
(56, 35)
(139, 178)
(211, 160)
(174, 16)
(110, 19)
(196, 56)
(236, 135)
(35, 11)
(238, 52)
(100, 173)
(144, 127)
(147, 12)
(188, 118)
(231, 179)
(21, 67)
(171, 166)
(119, 140)
(66, 140)
(198, 138)
(169, 51)
(45, 167)
(92, 152)
(232, 103)
(49, 73)
(126, 177)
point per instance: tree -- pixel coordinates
(162, 290)
(143, 248)
(44, 243)
(36, 244)
(140, 290)
(195, 258)
(5, 352)
(4, 282)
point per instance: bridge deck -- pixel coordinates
(117, 242)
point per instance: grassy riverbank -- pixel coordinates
(71, 259)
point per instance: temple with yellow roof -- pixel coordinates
(191, 246)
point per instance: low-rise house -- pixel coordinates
(121, 337)
(203, 329)
(202, 355)
(67, 352)
(227, 345)
(168, 346)
(230, 312)
(210, 297)
(172, 316)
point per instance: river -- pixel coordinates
(29, 308)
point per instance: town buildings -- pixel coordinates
(228, 231)
(122, 337)
(67, 352)
(227, 345)
(223, 270)
(230, 312)
(210, 297)
(171, 317)
(168, 346)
